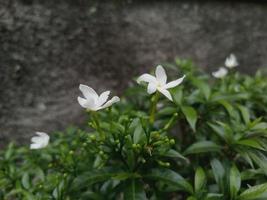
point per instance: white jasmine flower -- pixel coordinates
(94, 102)
(220, 73)
(159, 82)
(40, 141)
(231, 61)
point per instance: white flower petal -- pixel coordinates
(166, 93)
(161, 75)
(146, 78)
(88, 92)
(103, 98)
(151, 88)
(35, 146)
(222, 72)
(87, 103)
(110, 102)
(231, 61)
(39, 141)
(174, 83)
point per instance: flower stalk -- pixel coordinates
(154, 101)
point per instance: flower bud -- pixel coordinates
(172, 141)
(92, 137)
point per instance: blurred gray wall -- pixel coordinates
(48, 47)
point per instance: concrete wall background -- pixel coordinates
(48, 48)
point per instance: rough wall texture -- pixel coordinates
(49, 47)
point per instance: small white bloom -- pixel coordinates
(94, 102)
(220, 73)
(159, 82)
(40, 141)
(231, 61)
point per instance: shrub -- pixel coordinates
(205, 142)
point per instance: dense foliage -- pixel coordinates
(208, 144)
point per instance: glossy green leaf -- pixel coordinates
(200, 179)
(218, 172)
(258, 192)
(245, 113)
(202, 147)
(191, 116)
(234, 181)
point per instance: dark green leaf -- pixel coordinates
(134, 190)
(202, 147)
(170, 177)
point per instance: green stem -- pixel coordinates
(154, 101)
(96, 122)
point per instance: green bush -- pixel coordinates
(209, 143)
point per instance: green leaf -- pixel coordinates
(204, 87)
(177, 94)
(134, 190)
(167, 111)
(223, 131)
(139, 134)
(245, 113)
(229, 108)
(218, 172)
(191, 116)
(170, 177)
(200, 179)
(251, 143)
(214, 196)
(174, 154)
(26, 180)
(255, 192)
(234, 181)
(202, 147)
(260, 159)
(260, 126)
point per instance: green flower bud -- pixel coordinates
(92, 137)
(101, 153)
(71, 152)
(172, 141)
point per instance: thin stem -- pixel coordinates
(154, 101)
(96, 122)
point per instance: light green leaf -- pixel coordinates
(139, 134)
(234, 181)
(26, 180)
(191, 116)
(200, 179)
(255, 192)
(245, 113)
(251, 143)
